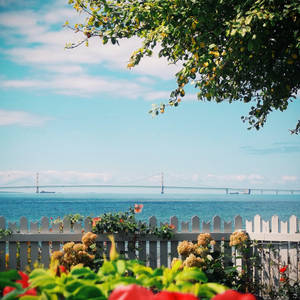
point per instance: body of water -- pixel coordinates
(184, 206)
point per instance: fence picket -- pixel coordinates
(174, 222)
(293, 224)
(195, 224)
(163, 253)
(216, 224)
(283, 227)
(87, 225)
(206, 227)
(249, 225)
(45, 255)
(257, 224)
(293, 270)
(23, 225)
(142, 255)
(184, 226)
(23, 255)
(275, 224)
(265, 226)
(227, 226)
(238, 223)
(66, 225)
(153, 254)
(45, 225)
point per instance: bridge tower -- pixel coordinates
(162, 183)
(37, 183)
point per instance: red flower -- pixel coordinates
(282, 279)
(31, 292)
(164, 295)
(7, 290)
(24, 283)
(131, 292)
(138, 208)
(63, 269)
(233, 295)
(24, 280)
(121, 221)
(283, 269)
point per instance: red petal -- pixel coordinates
(8, 289)
(24, 276)
(24, 284)
(131, 292)
(31, 292)
(231, 294)
(165, 295)
(63, 269)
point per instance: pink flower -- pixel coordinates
(95, 221)
(131, 292)
(138, 208)
(164, 295)
(136, 292)
(233, 295)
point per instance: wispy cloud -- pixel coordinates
(21, 118)
(35, 43)
(275, 148)
(290, 178)
(19, 177)
(236, 180)
(85, 85)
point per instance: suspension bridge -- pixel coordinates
(38, 188)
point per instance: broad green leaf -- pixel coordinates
(88, 292)
(78, 272)
(10, 275)
(73, 286)
(192, 274)
(121, 267)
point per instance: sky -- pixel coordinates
(81, 116)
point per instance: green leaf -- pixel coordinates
(88, 292)
(79, 272)
(10, 275)
(38, 272)
(73, 286)
(210, 289)
(107, 268)
(4, 283)
(121, 267)
(192, 274)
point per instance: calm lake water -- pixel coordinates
(184, 206)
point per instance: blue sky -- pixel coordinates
(80, 116)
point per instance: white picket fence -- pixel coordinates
(278, 243)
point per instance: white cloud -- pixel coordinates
(48, 48)
(22, 118)
(235, 179)
(85, 86)
(289, 178)
(48, 177)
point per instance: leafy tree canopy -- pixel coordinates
(232, 50)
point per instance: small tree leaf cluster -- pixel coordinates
(232, 50)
